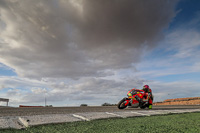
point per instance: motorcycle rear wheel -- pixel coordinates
(121, 104)
(145, 106)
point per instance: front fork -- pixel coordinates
(127, 101)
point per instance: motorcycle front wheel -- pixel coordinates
(121, 104)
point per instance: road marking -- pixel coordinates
(189, 111)
(140, 113)
(81, 117)
(115, 114)
(155, 112)
(161, 112)
(23, 122)
(179, 111)
(196, 110)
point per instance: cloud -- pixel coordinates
(98, 43)
(74, 39)
(176, 89)
(93, 91)
(185, 42)
(16, 88)
(38, 90)
(12, 82)
(177, 54)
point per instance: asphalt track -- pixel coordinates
(9, 111)
(24, 117)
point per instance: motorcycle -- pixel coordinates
(133, 101)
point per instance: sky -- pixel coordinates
(74, 52)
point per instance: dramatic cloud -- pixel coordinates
(97, 43)
(79, 38)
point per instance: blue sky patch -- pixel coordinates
(6, 71)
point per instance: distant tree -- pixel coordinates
(49, 106)
(106, 104)
(83, 105)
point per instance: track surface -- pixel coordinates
(69, 110)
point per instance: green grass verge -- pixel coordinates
(174, 123)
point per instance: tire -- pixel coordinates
(145, 106)
(121, 104)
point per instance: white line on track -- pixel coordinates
(151, 111)
(23, 122)
(80, 117)
(159, 112)
(154, 112)
(140, 113)
(188, 111)
(179, 111)
(115, 114)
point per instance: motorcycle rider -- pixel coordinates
(148, 95)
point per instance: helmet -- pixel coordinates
(145, 87)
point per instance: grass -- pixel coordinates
(174, 123)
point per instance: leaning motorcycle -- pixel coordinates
(133, 101)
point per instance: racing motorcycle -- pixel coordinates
(133, 101)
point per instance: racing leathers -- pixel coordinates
(149, 96)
